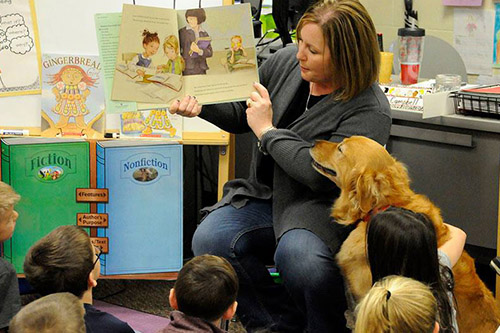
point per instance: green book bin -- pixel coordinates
(46, 173)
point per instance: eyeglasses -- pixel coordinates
(98, 253)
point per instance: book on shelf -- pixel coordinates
(73, 101)
(162, 57)
(144, 179)
(154, 123)
(46, 173)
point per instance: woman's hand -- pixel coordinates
(187, 107)
(259, 111)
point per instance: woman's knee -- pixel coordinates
(209, 239)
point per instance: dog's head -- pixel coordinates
(367, 175)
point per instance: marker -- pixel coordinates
(112, 135)
(14, 132)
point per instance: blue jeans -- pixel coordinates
(312, 296)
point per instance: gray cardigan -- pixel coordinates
(301, 197)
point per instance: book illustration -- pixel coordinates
(195, 42)
(155, 123)
(192, 44)
(72, 96)
(237, 57)
(19, 49)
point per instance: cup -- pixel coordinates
(411, 47)
(386, 59)
(447, 82)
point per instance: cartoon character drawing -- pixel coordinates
(158, 119)
(150, 43)
(195, 43)
(236, 54)
(71, 91)
(175, 63)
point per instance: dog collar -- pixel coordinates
(374, 212)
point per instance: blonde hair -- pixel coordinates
(62, 312)
(397, 304)
(8, 198)
(350, 35)
(171, 41)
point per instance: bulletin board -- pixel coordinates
(67, 27)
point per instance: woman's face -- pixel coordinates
(314, 55)
(192, 21)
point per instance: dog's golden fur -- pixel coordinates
(369, 179)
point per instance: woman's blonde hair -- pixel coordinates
(350, 35)
(62, 312)
(397, 304)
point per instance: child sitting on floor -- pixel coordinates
(10, 301)
(204, 293)
(398, 304)
(66, 261)
(60, 312)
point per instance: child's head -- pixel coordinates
(195, 17)
(397, 304)
(72, 75)
(236, 41)
(150, 42)
(206, 288)
(61, 312)
(171, 47)
(8, 216)
(63, 261)
(402, 242)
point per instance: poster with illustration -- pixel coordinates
(496, 37)
(164, 54)
(19, 49)
(72, 96)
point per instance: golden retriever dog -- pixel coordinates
(369, 179)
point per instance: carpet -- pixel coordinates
(139, 321)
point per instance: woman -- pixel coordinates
(324, 89)
(403, 242)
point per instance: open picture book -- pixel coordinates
(166, 54)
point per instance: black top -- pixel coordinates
(97, 321)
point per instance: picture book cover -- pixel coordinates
(46, 173)
(164, 54)
(72, 96)
(19, 49)
(144, 180)
(154, 123)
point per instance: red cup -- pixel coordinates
(409, 73)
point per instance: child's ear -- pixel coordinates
(91, 281)
(436, 328)
(231, 310)
(173, 300)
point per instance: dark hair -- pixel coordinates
(148, 37)
(350, 35)
(60, 262)
(199, 13)
(402, 242)
(206, 286)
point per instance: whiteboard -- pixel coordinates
(67, 27)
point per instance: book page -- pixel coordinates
(108, 31)
(143, 33)
(226, 67)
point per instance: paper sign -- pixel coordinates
(101, 242)
(462, 3)
(92, 220)
(92, 195)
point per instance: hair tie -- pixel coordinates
(388, 295)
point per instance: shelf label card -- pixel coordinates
(92, 220)
(92, 195)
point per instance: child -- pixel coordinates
(175, 63)
(402, 242)
(10, 301)
(204, 293)
(150, 43)
(236, 54)
(61, 312)
(397, 304)
(66, 261)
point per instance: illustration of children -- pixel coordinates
(158, 120)
(175, 63)
(150, 43)
(71, 91)
(236, 54)
(195, 43)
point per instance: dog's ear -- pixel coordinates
(367, 190)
